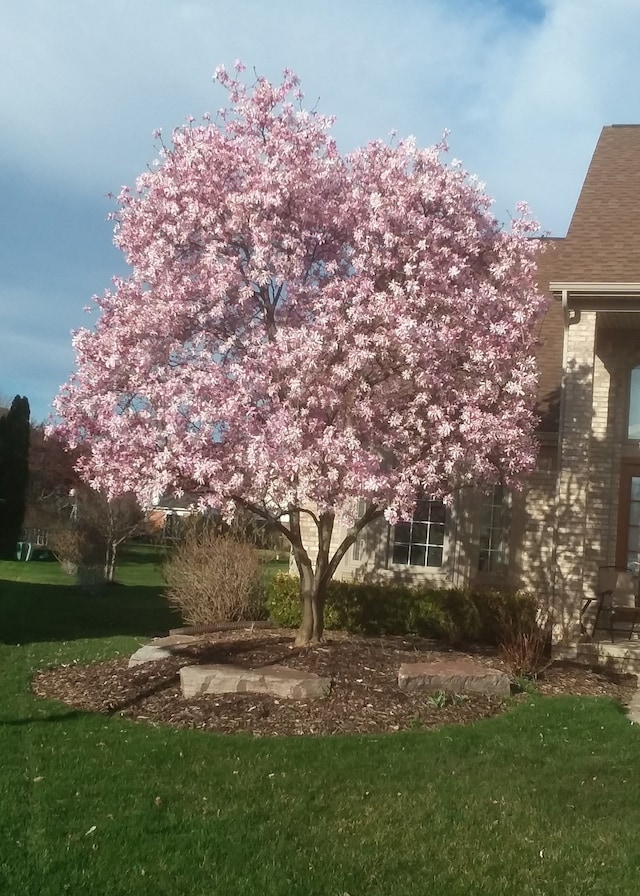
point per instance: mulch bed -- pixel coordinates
(364, 696)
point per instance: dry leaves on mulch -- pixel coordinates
(364, 696)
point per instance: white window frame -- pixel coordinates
(496, 546)
(427, 544)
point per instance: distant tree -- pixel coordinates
(303, 329)
(85, 525)
(112, 521)
(94, 526)
(52, 477)
(14, 474)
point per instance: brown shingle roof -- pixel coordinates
(603, 240)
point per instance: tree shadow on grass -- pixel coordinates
(40, 612)
(71, 715)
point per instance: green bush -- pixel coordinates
(455, 615)
(502, 611)
(283, 600)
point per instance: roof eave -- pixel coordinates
(598, 296)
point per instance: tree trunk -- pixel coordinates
(110, 561)
(312, 600)
(314, 581)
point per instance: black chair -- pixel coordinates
(616, 596)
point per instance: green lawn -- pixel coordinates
(542, 800)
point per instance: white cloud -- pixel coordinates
(572, 78)
(524, 85)
(87, 82)
(90, 81)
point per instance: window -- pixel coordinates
(633, 422)
(421, 541)
(358, 545)
(493, 530)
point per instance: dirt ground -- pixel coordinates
(364, 696)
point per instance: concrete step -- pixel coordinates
(621, 656)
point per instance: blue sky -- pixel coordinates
(524, 86)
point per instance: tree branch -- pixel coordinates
(264, 514)
(373, 512)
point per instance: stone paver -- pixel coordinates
(453, 677)
(279, 681)
(160, 649)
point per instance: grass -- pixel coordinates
(544, 799)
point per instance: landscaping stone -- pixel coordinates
(160, 649)
(454, 677)
(279, 681)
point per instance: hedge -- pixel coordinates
(452, 614)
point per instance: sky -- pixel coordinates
(523, 86)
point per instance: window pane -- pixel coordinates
(436, 535)
(494, 521)
(418, 552)
(402, 533)
(635, 488)
(438, 512)
(434, 557)
(634, 404)
(419, 533)
(401, 553)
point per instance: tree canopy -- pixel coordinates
(303, 328)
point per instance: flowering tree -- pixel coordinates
(302, 329)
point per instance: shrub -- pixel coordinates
(451, 614)
(461, 615)
(76, 548)
(501, 610)
(373, 609)
(524, 643)
(214, 578)
(283, 600)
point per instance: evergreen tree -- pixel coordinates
(14, 474)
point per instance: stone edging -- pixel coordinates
(222, 627)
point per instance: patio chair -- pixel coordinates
(616, 596)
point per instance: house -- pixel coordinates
(580, 510)
(167, 515)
